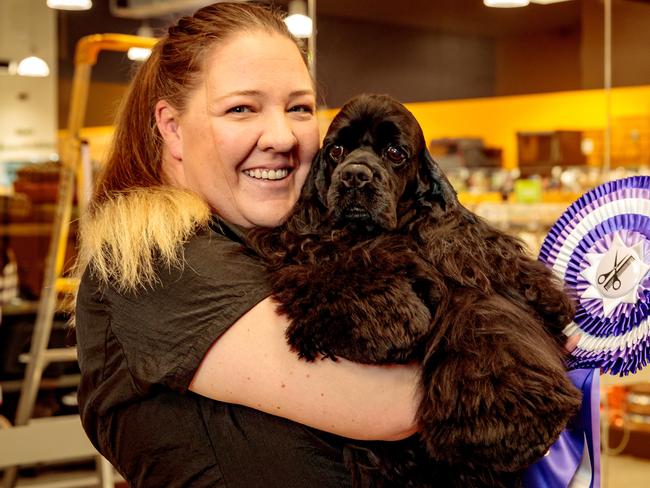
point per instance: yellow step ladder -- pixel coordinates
(32, 442)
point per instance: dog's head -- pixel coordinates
(374, 167)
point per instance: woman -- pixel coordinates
(186, 376)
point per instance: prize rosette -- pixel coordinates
(600, 248)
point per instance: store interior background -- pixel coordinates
(511, 101)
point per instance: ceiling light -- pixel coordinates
(138, 53)
(33, 66)
(506, 3)
(298, 22)
(70, 4)
(141, 54)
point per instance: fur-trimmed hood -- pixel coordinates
(127, 237)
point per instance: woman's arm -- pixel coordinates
(251, 364)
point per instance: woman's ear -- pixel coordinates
(167, 123)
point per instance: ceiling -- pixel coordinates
(468, 17)
(457, 16)
(464, 17)
(454, 16)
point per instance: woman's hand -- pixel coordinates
(251, 364)
(572, 343)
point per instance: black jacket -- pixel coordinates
(138, 353)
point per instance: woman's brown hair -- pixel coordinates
(171, 73)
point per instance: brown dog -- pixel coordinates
(380, 263)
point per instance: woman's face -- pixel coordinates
(249, 132)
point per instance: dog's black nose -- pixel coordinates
(356, 175)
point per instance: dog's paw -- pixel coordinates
(308, 343)
(496, 391)
(500, 429)
(375, 317)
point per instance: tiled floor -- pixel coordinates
(625, 472)
(618, 472)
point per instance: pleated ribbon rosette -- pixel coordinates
(600, 248)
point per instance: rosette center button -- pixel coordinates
(619, 272)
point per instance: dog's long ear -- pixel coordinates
(309, 212)
(433, 185)
(314, 191)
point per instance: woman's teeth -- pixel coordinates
(267, 174)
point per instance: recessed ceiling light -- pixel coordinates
(70, 4)
(506, 3)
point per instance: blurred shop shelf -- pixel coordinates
(26, 229)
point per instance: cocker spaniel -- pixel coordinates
(380, 263)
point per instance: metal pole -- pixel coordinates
(311, 43)
(607, 65)
(607, 154)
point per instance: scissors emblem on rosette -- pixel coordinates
(615, 275)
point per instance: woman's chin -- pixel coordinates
(269, 221)
(268, 218)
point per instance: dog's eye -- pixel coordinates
(396, 154)
(336, 152)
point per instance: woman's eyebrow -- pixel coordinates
(239, 93)
(299, 93)
(293, 94)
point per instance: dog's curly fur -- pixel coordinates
(380, 263)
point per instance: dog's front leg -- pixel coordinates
(495, 396)
(359, 307)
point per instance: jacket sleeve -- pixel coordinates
(166, 331)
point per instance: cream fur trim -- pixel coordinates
(126, 239)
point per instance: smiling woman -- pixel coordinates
(261, 104)
(187, 379)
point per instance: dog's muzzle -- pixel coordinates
(356, 175)
(359, 196)
(354, 180)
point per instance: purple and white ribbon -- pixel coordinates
(574, 460)
(600, 248)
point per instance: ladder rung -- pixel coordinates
(66, 285)
(63, 381)
(71, 479)
(53, 355)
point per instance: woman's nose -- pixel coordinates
(277, 134)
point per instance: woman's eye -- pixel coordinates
(336, 153)
(302, 108)
(396, 154)
(240, 109)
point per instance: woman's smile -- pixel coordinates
(265, 174)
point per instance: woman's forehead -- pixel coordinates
(253, 50)
(256, 61)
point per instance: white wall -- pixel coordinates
(28, 115)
